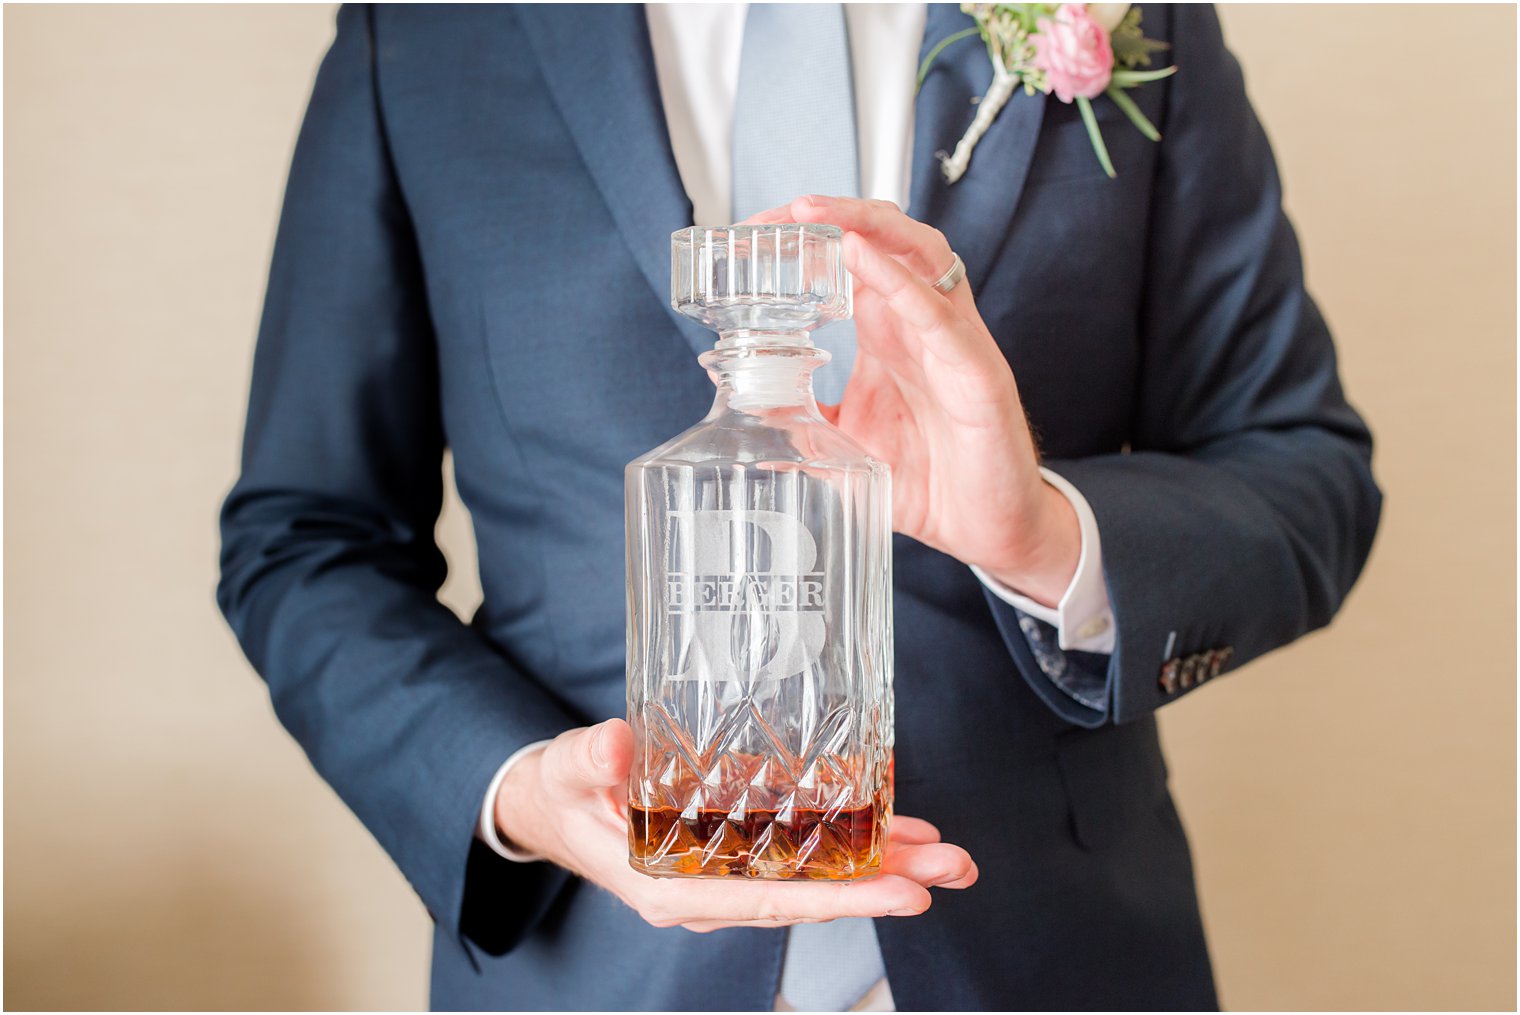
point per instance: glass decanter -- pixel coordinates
(760, 589)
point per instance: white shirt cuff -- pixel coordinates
(1084, 618)
(485, 828)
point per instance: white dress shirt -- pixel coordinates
(696, 56)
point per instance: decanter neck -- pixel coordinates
(763, 369)
(751, 338)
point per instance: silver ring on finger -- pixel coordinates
(953, 275)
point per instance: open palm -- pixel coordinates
(565, 803)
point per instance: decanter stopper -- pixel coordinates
(785, 277)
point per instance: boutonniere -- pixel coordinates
(1077, 51)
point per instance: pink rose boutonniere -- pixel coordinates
(1074, 52)
(1077, 51)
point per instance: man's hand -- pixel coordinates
(933, 396)
(565, 803)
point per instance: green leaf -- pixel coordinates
(1095, 135)
(1139, 119)
(1131, 47)
(1131, 78)
(923, 68)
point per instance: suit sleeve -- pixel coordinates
(329, 570)
(1246, 506)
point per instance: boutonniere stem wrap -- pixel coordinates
(1076, 51)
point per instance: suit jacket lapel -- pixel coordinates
(976, 212)
(609, 96)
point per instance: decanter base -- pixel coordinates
(760, 845)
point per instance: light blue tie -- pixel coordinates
(794, 134)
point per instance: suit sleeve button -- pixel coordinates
(1169, 676)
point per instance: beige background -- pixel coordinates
(1351, 799)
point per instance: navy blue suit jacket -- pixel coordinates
(473, 255)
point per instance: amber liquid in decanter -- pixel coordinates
(804, 843)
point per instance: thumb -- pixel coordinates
(593, 757)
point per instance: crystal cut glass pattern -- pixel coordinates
(759, 590)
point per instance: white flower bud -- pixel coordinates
(1108, 15)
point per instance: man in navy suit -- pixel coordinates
(473, 256)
